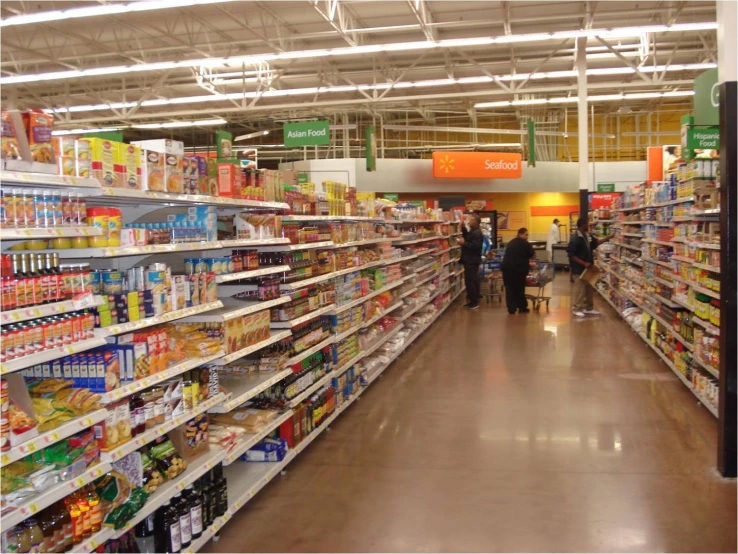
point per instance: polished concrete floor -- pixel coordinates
(506, 433)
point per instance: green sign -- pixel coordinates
(705, 99)
(703, 138)
(370, 135)
(307, 133)
(605, 187)
(531, 143)
(302, 178)
(393, 197)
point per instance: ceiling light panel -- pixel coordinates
(352, 50)
(381, 86)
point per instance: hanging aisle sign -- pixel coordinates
(477, 165)
(307, 133)
(531, 143)
(370, 144)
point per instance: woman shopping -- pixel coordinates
(515, 266)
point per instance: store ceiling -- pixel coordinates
(210, 54)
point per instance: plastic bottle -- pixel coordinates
(77, 522)
(115, 223)
(98, 217)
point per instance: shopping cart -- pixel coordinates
(491, 281)
(539, 277)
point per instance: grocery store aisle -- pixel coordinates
(506, 433)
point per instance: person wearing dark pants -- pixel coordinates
(471, 258)
(515, 265)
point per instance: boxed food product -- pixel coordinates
(152, 170)
(249, 418)
(173, 173)
(228, 180)
(106, 432)
(191, 175)
(129, 164)
(268, 450)
(97, 157)
(65, 149)
(191, 439)
(203, 183)
(39, 126)
(163, 146)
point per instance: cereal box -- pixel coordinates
(10, 149)
(203, 185)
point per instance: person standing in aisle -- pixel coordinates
(471, 257)
(554, 237)
(515, 264)
(581, 255)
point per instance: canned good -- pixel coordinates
(112, 282)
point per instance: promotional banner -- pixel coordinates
(307, 133)
(531, 143)
(477, 165)
(705, 100)
(510, 221)
(371, 148)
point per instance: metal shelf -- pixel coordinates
(151, 380)
(53, 494)
(376, 318)
(706, 267)
(703, 290)
(43, 310)
(706, 325)
(310, 390)
(145, 438)
(248, 441)
(302, 319)
(49, 232)
(661, 242)
(310, 351)
(287, 247)
(250, 274)
(416, 241)
(118, 196)
(47, 355)
(149, 249)
(243, 389)
(298, 217)
(369, 296)
(156, 320)
(275, 337)
(48, 438)
(233, 308)
(44, 180)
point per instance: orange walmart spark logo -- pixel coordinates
(447, 163)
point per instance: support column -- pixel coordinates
(582, 127)
(727, 15)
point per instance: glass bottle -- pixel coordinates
(144, 533)
(77, 522)
(185, 523)
(44, 522)
(28, 266)
(172, 531)
(20, 282)
(93, 501)
(221, 491)
(67, 527)
(56, 270)
(195, 505)
(36, 535)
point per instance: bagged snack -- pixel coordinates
(114, 489)
(40, 125)
(170, 463)
(10, 149)
(132, 467)
(152, 477)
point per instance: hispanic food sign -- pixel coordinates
(477, 165)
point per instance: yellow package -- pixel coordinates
(129, 165)
(101, 156)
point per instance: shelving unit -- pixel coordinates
(234, 391)
(660, 274)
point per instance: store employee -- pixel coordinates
(554, 237)
(471, 258)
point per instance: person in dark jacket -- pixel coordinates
(581, 256)
(515, 265)
(471, 257)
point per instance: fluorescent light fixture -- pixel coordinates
(618, 32)
(174, 124)
(84, 131)
(251, 135)
(381, 86)
(107, 9)
(595, 98)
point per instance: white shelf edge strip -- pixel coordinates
(156, 320)
(34, 312)
(236, 401)
(51, 437)
(302, 319)
(249, 442)
(145, 438)
(155, 378)
(275, 337)
(48, 355)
